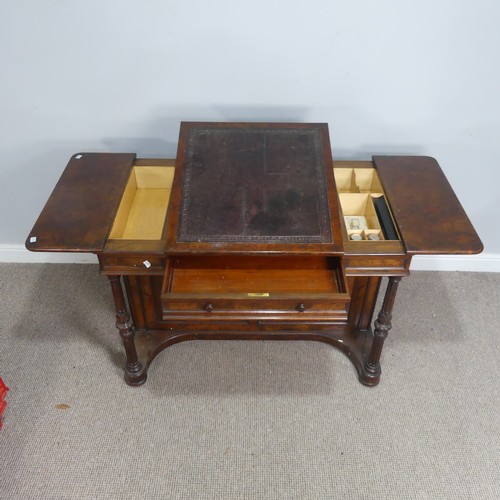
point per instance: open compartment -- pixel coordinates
(366, 214)
(357, 180)
(360, 216)
(143, 207)
(263, 286)
(345, 180)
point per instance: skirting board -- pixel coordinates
(482, 263)
(476, 263)
(17, 253)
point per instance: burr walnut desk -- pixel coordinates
(253, 232)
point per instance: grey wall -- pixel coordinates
(389, 76)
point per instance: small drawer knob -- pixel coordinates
(209, 307)
(301, 307)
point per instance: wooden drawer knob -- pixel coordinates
(209, 307)
(301, 307)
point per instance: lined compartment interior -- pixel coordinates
(358, 188)
(357, 180)
(257, 276)
(359, 207)
(143, 207)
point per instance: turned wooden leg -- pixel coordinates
(371, 375)
(134, 373)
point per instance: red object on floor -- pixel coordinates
(3, 404)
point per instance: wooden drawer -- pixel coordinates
(135, 245)
(255, 288)
(131, 264)
(371, 265)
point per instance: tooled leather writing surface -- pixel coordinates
(255, 185)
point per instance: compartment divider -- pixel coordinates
(385, 218)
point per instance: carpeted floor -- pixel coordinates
(248, 420)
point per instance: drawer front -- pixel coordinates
(370, 265)
(324, 307)
(254, 288)
(132, 264)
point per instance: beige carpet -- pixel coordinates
(248, 420)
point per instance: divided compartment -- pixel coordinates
(357, 180)
(143, 207)
(240, 287)
(360, 215)
(366, 214)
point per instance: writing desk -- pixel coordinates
(253, 232)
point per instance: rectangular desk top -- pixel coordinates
(253, 188)
(239, 186)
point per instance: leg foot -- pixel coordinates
(368, 378)
(135, 379)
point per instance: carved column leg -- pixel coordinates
(134, 373)
(371, 375)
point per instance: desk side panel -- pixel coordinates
(81, 209)
(428, 214)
